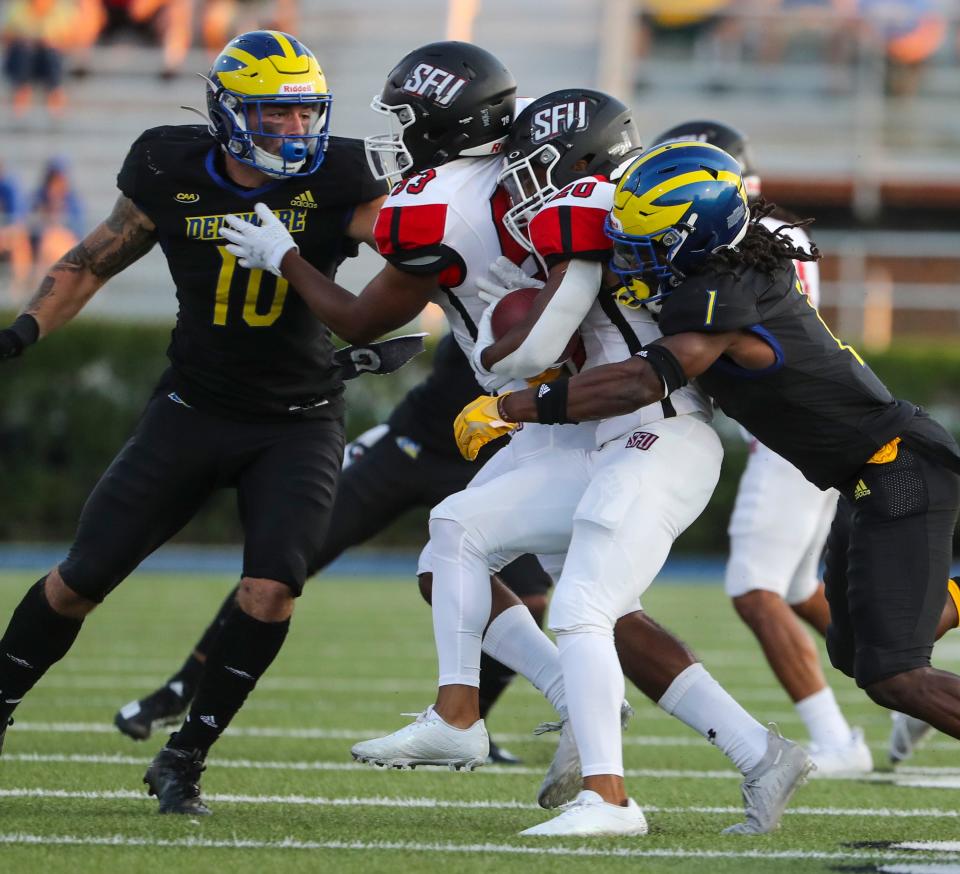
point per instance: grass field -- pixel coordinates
(287, 797)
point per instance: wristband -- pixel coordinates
(25, 331)
(552, 403)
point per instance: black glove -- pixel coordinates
(382, 357)
(22, 333)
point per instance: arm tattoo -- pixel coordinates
(125, 236)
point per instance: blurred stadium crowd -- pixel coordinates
(851, 106)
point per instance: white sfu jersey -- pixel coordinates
(447, 220)
(570, 226)
(780, 520)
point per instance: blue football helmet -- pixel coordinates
(673, 207)
(258, 70)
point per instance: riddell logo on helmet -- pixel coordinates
(291, 88)
(558, 119)
(425, 80)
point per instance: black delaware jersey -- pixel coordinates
(245, 345)
(819, 405)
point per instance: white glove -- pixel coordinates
(490, 382)
(259, 247)
(507, 277)
(511, 276)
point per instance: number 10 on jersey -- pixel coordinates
(251, 314)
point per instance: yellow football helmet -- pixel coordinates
(673, 207)
(257, 69)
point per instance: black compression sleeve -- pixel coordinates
(665, 365)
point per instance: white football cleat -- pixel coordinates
(563, 781)
(588, 814)
(770, 784)
(853, 757)
(428, 741)
(906, 736)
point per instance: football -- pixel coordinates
(512, 309)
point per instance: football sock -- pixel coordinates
(213, 629)
(595, 688)
(36, 638)
(823, 719)
(240, 655)
(697, 700)
(494, 679)
(461, 602)
(185, 681)
(515, 639)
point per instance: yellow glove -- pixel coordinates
(477, 424)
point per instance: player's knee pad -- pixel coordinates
(452, 530)
(574, 610)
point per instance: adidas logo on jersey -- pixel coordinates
(425, 80)
(304, 200)
(860, 490)
(558, 119)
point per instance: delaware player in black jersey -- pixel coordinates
(411, 461)
(734, 317)
(252, 399)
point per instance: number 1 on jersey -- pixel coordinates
(251, 315)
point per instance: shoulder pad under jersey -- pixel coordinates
(419, 228)
(570, 224)
(714, 302)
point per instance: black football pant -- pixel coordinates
(888, 559)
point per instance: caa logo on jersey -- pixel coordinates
(441, 86)
(187, 197)
(555, 120)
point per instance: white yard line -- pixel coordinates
(945, 778)
(440, 803)
(534, 849)
(355, 734)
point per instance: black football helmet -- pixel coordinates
(559, 138)
(443, 101)
(732, 141)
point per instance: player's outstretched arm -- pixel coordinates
(390, 300)
(620, 388)
(126, 235)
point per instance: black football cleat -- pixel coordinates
(499, 756)
(138, 718)
(174, 778)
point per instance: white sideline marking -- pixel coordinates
(898, 779)
(939, 846)
(919, 868)
(412, 846)
(438, 803)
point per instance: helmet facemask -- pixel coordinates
(528, 181)
(387, 154)
(253, 140)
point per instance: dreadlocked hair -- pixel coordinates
(762, 248)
